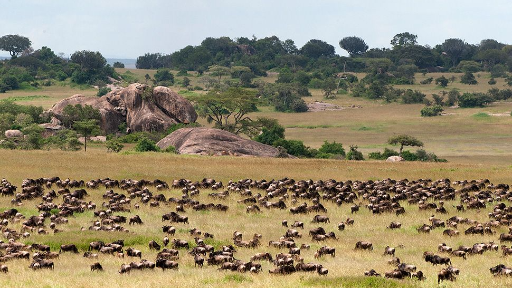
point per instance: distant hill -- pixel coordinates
(128, 63)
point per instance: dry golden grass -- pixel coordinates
(345, 270)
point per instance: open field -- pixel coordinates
(345, 270)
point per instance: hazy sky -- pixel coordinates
(130, 28)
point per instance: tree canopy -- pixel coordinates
(404, 140)
(14, 44)
(353, 45)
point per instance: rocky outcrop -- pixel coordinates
(13, 134)
(209, 141)
(395, 159)
(142, 109)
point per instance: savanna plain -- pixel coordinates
(476, 147)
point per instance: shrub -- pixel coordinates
(410, 96)
(294, 147)
(114, 145)
(270, 135)
(332, 148)
(442, 81)
(118, 64)
(170, 149)
(492, 81)
(164, 77)
(103, 91)
(431, 111)
(470, 100)
(427, 81)
(354, 154)
(146, 145)
(468, 78)
(384, 155)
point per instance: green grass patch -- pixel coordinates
(311, 126)
(481, 116)
(355, 282)
(187, 93)
(217, 243)
(27, 87)
(26, 98)
(237, 278)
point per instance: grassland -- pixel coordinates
(477, 146)
(345, 270)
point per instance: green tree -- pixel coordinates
(118, 64)
(14, 44)
(145, 145)
(354, 154)
(87, 128)
(442, 81)
(455, 49)
(164, 77)
(404, 39)
(186, 82)
(317, 48)
(219, 71)
(332, 148)
(72, 113)
(355, 46)
(468, 78)
(329, 88)
(227, 109)
(404, 140)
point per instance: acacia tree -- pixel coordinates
(353, 45)
(404, 39)
(227, 109)
(404, 140)
(87, 128)
(14, 44)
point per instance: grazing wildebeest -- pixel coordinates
(96, 267)
(320, 219)
(447, 274)
(364, 245)
(371, 272)
(166, 264)
(153, 245)
(68, 248)
(133, 253)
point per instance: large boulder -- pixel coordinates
(210, 141)
(395, 159)
(142, 109)
(13, 134)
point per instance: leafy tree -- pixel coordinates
(454, 48)
(219, 71)
(431, 111)
(146, 145)
(89, 60)
(271, 133)
(355, 46)
(453, 97)
(438, 100)
(329, 88)
(442, 81)
(470, 100)
(354, 154)
(78, 112)
(14, 44)
(227, 109)
(164, 77)
(186, 82)
(317, 48)
(246, 79)
(118, 64)
(332, 148)
(404, 140)
(114, 145)
(404, 39)
(150, 61)
(87, 128)
(468, 78)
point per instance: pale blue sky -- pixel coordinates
(130, 28)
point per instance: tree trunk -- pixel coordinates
(401, 148)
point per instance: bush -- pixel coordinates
(103, 91)
(431, 111)
(118, 64)
(353, 154)
(170, 149)
(270, 135)
(114, 145)
(427, 81)
(411, 97)
(383, 156)
(294, 147)
(442, 81)
(332, 148)
(492, 81)
(470, 100)
(164, 77)
(468, 78)
(146, 145)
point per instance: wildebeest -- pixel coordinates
(166, 264)
(135, 220)
(501, 270)
(125, 268)
(68, 248)
(4, 268)
(320, 219)
(389, 251)
(371, 272)
(40, 264)
(96, 267)
(133, 253)
(198, 260)
(177, 243)
(447, 274)
(153, 245)
(394, 225)
(450, 232)
(169, 230)
(96, 245)
(364, 245)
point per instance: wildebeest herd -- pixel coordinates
(59, 199)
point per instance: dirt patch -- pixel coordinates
(500, 114)
(318, 106)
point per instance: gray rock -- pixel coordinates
(209, 141)
(13, 134)
(395, 159)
